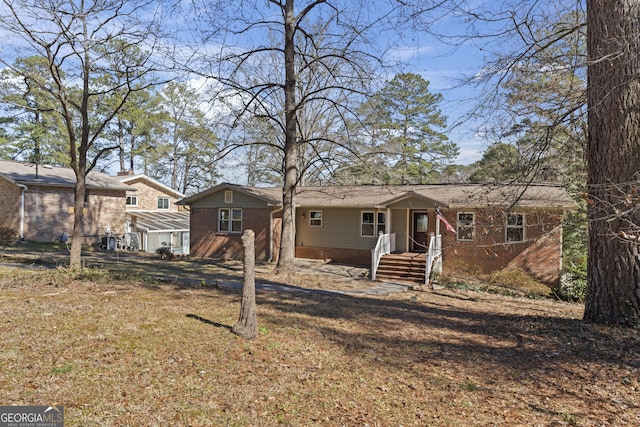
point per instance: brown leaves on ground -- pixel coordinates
(127, 352)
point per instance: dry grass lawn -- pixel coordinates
(123, 351)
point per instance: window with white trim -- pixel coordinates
(163, 203)
(515, 228)
(382, 222)
(465, 226)
(132, 200)
(230, 220)
(372, 223)
(315, 218)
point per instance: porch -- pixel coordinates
(387, 264)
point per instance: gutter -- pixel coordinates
(23, 189)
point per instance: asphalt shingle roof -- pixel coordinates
(444, 195)
(28, 174)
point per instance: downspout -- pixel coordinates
(271, 233)
(23, 189)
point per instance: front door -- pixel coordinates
(419, 239)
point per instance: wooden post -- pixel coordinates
(247, 325)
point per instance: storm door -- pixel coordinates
(419, 238)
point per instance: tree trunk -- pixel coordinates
(286, 258)
(75, 255)
(613, 160)
(247, 325)
(121, 144)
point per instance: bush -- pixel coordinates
(7, 236)
(164, 252)
(573, 283)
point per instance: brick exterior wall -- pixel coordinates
(9, 205)
(148, 197)
(539, 254)
(106, 209)
(207, 242)
(49, 212)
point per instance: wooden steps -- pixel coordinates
(402, 267)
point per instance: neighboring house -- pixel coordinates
(37, 201)
(496, 226)
(153, 215)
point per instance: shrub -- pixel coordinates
(164, 252)
(7, 236)
(573, 283)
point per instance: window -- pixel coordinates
(132, 200)
(230, 221)
(382, 222)
(228, 196)
(372, 223)
(515, 227)
(465, 226)
(315, 218)
(163, 203)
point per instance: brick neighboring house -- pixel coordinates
(496, 226)
(153, 215)
(37, 201)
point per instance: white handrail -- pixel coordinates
(385, 245)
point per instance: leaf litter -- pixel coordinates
(124, 351)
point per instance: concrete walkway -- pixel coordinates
(338, 274)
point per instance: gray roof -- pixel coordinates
(160, 221)
(271, 195)
(132, 179)
(443, 195)
(43, 175)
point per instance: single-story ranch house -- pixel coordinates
(37, 201)
(486, 227)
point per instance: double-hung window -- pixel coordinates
(515, 227)
(372, 223)
(315, 218)
(230, 220)
(163, 203)
(132, 200)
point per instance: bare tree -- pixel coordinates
(329, 38)
(544, 42)
(76, 40)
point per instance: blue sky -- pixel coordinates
(442, 67)
(444, 74)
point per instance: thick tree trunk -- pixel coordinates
(247, 325)
(613, 150)
(286, 257)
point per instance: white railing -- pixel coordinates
(434, 256)
(386, 244)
